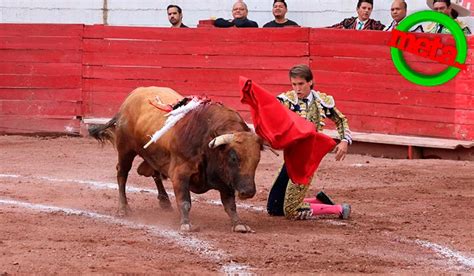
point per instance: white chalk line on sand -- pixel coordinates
(439, 249)
(188, 243)
(99, 185)
(448, 253)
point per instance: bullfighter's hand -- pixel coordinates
(341, 150)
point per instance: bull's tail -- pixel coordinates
(104, 133)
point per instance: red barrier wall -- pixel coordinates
(358, 71)
(40, 78)
(53, 75)
(191, 61)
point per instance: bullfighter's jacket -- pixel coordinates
(286, 197)
(351, 23)
(316, 108)
(434, 28)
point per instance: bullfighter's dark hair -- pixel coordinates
(302, 71)
(180, 11)
(281, 1)
(371, 2)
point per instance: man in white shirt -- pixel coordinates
(363, 20)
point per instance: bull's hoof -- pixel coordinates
(242, 228)
(165, 204)
(188, 228)
(124, 211)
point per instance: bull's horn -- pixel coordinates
(221, 140)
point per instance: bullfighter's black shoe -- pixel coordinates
(324, 198)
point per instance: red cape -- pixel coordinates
(303, 147)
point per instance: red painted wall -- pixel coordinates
(40, 78)
(51, 76)
(358, 71)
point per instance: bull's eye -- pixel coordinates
(233, 157)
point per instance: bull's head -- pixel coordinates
(239, 154)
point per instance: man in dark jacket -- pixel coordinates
(175, 16)
(239, 12)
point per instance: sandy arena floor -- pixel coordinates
(58, 203)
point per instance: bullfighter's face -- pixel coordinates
(364, 11)
(301, 86)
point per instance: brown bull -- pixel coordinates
(210, 148)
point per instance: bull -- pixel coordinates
(211, 147)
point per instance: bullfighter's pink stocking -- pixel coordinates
(325, 209)
(312, 200)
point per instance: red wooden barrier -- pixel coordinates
(52, 75)
(358, 71)
(206, 23)
(40, 78)
(191, 61)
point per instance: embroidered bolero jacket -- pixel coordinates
(321, 107)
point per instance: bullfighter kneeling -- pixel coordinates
(287, 198)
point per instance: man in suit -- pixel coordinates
(362, 21)
(398, 11)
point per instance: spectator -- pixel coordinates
(175, 16)
(363, 20)
(451, 9)
(287, 198)
(279, 11)
(239, 13)
(398, 11)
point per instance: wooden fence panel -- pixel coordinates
(357, 69)
(193, 62)
(40, 78)
(52, 75)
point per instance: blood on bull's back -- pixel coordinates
(143, 112)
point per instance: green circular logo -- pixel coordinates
(446, 75)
